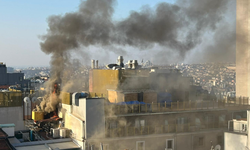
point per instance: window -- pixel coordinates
(222, 118)
(170, 144)
(142, 123)
(166, 122)
(112, 125)
(209, 119)
(140, 145)
(105, 147)
(166, 126)
(201, 141)
(220, 140)
(20, 78)
(139, 123)
(181, 121)
(197, 122)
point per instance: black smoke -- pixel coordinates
(177, 28)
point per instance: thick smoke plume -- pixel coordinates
(178, 28)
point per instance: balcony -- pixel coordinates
(127, 131)
(116, 109)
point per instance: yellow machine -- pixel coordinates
(37, 115)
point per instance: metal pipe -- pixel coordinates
(93, 64)
(96, 65)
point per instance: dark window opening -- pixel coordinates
(170, 144)
(201, 141)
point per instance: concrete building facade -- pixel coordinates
(243, 48)
(94, 121)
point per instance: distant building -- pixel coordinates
(242, 48)
(8, 79)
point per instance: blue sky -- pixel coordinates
(23, 21)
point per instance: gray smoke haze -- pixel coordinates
(177, 28)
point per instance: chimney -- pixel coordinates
(96, 65)
(120, 61)
(134, 64)
(93, 64)
(130, 64)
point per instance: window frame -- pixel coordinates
(199, 144)
(137, 142)
(172, 144)
(138, 123)
(112, 125)
(220, 139)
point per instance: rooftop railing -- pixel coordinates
(164, 129)
(119, 109)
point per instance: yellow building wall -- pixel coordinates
(101, 80)
(10, 99)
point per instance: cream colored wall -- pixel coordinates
(235, 141)
(242, 48)
(73, 122)
(182, 141)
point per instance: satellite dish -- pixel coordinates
(217, 147)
